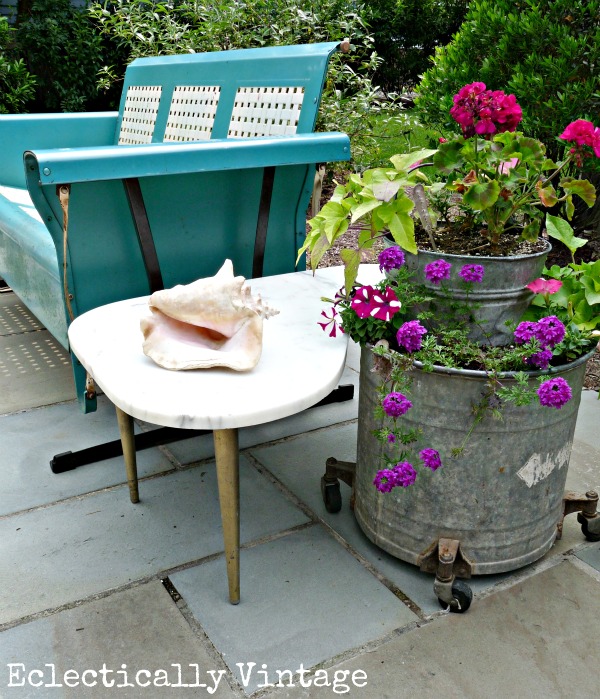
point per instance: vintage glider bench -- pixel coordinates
(210, 156)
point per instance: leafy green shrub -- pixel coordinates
(17, 86)
(546, 52)
(62, 48)
(406, 34)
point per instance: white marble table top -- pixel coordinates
(300, 364)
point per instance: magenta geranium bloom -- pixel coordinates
(369, 302)
(544, 286)
(580, 132)
(485, 112)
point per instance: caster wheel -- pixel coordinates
(463, 596)
(589, 535)
(332, 497)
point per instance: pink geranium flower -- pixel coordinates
(579, 131)
(544, 286)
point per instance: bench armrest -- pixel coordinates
(22, 132)
(66, 166)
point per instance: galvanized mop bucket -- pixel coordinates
(500, 297)
(502, 499)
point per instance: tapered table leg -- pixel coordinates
(128, 442)
(228, 478)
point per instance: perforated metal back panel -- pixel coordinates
(266, 111)
(139, 114)
(24, 344)
(192, 112)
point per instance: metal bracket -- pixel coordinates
(446, 560)
(69, 460)
(585, 506)
(336, 471)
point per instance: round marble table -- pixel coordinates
(299, 366)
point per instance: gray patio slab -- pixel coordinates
(30, 439)
(526, 641)
(304, 599)
(299, 464)
(79, 547)
(137, 635)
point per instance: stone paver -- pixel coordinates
(304, 600)
(136, 639)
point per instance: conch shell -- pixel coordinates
(212, 322)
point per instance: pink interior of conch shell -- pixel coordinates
(213, 322)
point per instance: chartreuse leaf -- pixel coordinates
(402, 228)
(364, 208)
(561, 230)
(385, 190)
(583, 188)
(403, 161)
(351, 260)
(482, 195)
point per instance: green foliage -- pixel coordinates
(406, 35)
(577, 302)
(64, 51)
(17, 85)
(546, 52)
(350, 102)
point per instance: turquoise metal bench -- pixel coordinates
(211, 156)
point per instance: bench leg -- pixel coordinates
(228, 478)
(128, 443)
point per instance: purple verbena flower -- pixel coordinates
(554, 393)
(370, 302)
(540, 359)
(391, 438)
(472, 273)
(391, 258)
(396, 404)
(385, 480)
(331, 321)
(430, 458)
(410, 335)
(404, 474)
(438, 270)
(549, 331)
(525, 331)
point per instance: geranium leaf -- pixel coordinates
(449, 156)
(583, 188)
(482, 195)
(546, 194)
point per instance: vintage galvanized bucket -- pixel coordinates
(500, 297)
(502, 499)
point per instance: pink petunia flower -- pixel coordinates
(369, 302)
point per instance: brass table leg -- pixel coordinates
(128, 442)
(228, 478)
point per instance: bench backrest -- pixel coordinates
(232, 94)
(197, 219)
